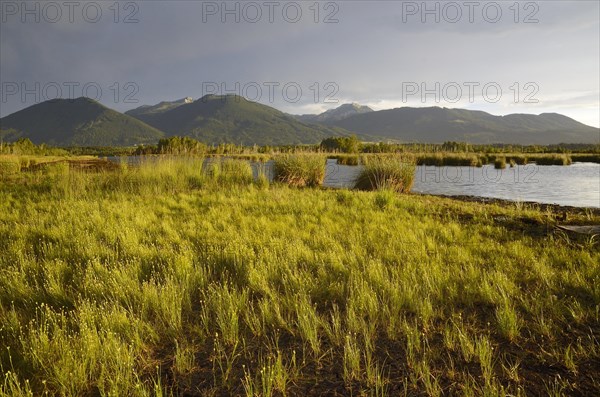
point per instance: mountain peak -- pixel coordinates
(341, 112)
(354, 105)
(357, 106)
(224, 97)
(159, 107)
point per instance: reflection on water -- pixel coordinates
(576, 185)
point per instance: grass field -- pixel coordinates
(166, 280)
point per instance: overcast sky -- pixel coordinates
(532, 57)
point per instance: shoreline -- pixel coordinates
(556, 208)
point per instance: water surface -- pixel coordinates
(576, 185)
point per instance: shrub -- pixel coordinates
(301, 170)
(395, 173)
(349, 144)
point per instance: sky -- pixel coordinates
(306, 57)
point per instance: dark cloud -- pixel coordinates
(370, 53)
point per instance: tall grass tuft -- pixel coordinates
(394, 173)
(518, 159)
(300, 170)
(232, 172)
(500, 163)
(262, 177)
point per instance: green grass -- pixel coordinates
(165, 279)
(8, 168)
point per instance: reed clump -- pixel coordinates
(346, 159)
(231, 172)
(451, 159)
(299, 170)
(553, 159)
(394, 173)
(254, 157)
(517, 159)
(586, 158)
(262, 177)
(500, 163)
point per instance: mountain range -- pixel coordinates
(435, 124)
(233, 119)
(217, 119)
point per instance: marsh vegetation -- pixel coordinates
(165, 278)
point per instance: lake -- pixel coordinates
(576, 185)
